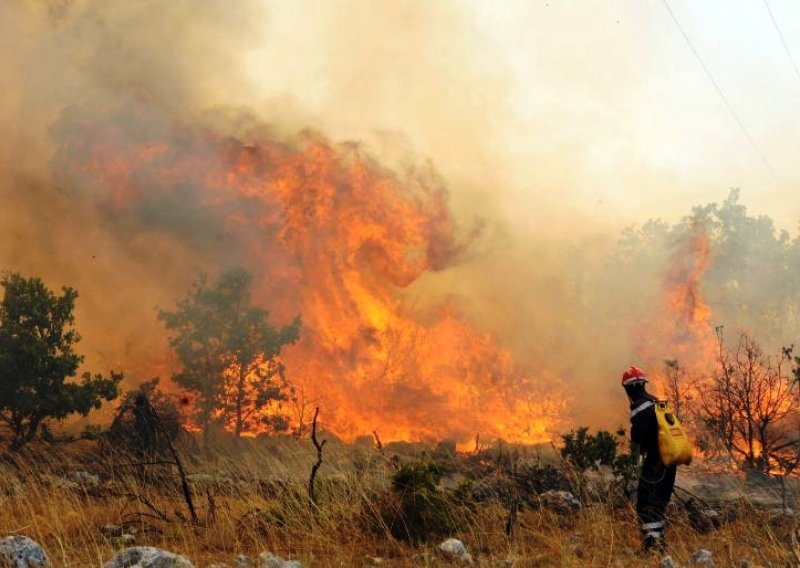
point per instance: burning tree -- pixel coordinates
(749, 407)
(229, 354)
(37, 359)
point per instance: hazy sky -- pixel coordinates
(567, 113)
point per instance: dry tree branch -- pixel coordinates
(187, 492)
(511, 521)
(316, 466)
(141, 499)
(155, 421)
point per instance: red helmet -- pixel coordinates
(632, 375)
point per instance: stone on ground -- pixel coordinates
(269, 560)
(703, 557)
(562, 502)
(22, 552)
(147, 557)
(454, 549)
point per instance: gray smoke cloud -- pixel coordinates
(417, 85)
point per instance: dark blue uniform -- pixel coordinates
(656, 481)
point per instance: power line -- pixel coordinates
(719, 92)
(783, 39)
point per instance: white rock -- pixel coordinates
(147, 557)
(83, 478)
(703, 557)
(454, 549)
(269, 560)
(668, 562)
(562, 502)
(22, 552)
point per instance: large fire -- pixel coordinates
(692, 334)
(334, 236)
(683, 330)
(727, 395)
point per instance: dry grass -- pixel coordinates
(259, 504)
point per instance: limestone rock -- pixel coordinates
(703, 557)
(562, 502)
(454, 549)
(147, 557)
(82, 482)
(22, 552)
(269, 560)
(668, 562)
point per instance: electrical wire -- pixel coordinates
(783, 39)
(716, 86)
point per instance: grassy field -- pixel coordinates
(253, 498)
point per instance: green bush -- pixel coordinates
(589, 451)
(586, 451)
(416, 508)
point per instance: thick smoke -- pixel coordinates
(120, 120)
(65, 59)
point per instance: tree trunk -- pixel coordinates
(239, 403)
(206, 431)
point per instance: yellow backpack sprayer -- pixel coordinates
(673, 443)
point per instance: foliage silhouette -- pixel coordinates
(229, 354)
(37, 359)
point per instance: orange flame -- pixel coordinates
(682, 331)
(686, 311)
(330, 234)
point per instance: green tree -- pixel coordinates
(37, 358)
(229, 353)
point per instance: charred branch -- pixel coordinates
(316, 466)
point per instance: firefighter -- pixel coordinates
(656, 480)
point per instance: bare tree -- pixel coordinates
(749, 406)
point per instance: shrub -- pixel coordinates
(146, 421)
(589, 451)
(416, 509)
(586, 451)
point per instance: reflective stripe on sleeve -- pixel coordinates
(643, 406)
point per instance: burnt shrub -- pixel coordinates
(146, 422)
